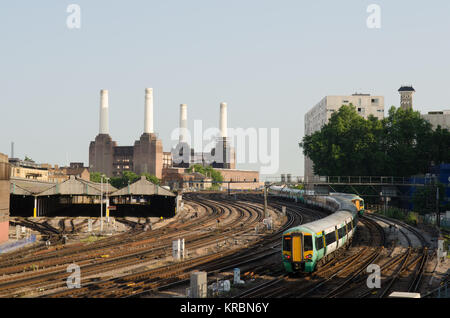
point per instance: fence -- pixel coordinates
(429, 219)
(15, 245)
(442, 291)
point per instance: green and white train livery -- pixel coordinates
(309, 245)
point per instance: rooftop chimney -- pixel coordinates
(148, 119)
(223, 120)
(104, 127)
(183, 123)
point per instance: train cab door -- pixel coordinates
(356, 204)
(297, 248)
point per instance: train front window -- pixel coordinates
(308, 246)
(287, 243)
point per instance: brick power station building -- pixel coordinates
(146, 156)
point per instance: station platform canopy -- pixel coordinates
(142, 187)
(72, 186)
(20, 186)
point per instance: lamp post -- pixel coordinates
(107, 200)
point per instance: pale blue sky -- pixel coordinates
(269, 60)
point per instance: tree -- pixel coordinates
(408, 139)
(440, 146)
(208, 171)
(129, 177)
(402, 144)
(151, 178)
(347, 145)
(95, 177)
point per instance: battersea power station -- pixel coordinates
(147, 155)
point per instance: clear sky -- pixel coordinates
(269, 60)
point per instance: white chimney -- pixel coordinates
(223, 120)
(104, 126)
(183, 123)
(148, 116)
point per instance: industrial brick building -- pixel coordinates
(222, 158)
(4, 197)
(146, 156)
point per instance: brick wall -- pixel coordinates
(4, 197)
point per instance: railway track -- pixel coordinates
(237, 219)
(232, 216)
(332, 276)
(145, 282)
(393, 269)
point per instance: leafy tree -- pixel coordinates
(440, 146)
(408, 139)
(402, 144)
(208, 171)
(129, 177)
(151, 178)
(95, 177)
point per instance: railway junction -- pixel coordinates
(134, 254)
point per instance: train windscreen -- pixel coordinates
(287, 243)
(307, 244)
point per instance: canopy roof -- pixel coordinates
(78, 186)
(142, 187)
(72, 186)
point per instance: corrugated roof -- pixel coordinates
(72, 186)
(28, 187)
(143, 187)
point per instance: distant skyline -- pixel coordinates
(270, 61)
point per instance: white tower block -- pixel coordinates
(223, 124)
(183, 123)
(104, 102)
(148, 116)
